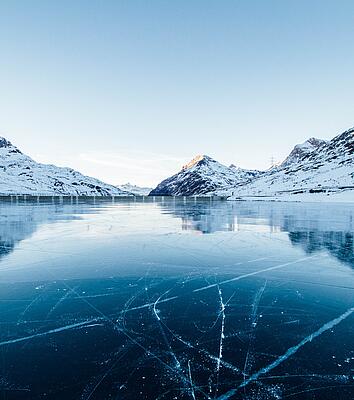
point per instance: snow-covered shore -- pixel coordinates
(345, 196)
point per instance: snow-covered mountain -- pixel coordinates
(315, 166)
(137, 190)
(203, 176)
(20, 174)
(302, 150)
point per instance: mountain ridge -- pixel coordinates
(20, 174)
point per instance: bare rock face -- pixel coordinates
(20, 174)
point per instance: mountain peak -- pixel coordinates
(203, 176)
(8, 146)
(235, 167)
(315, 141)
(5, 143)
(303, 149)
(199, 159)
(310, 144)
(350, 130)
(349, 133)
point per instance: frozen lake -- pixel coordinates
(176, 299)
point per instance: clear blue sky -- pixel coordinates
(129, 90)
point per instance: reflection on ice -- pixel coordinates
(314, 227)
(102, 300)
(338, 244)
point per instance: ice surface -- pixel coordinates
(176, 299)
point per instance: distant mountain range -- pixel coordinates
(20, 174)
(136, 190)
(314, 166)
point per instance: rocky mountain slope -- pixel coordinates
(203, 176)
(318, 166)
(20, 174)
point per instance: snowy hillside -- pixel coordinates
(203, 176)
(136, 190)
(19, 174)
(321, 167)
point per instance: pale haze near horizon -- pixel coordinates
(131, 90)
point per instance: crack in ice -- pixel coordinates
(291, 351)
(222, 336)
(51, 331)
(237, 278)
(173, 355)
(190, 379)
(254, 320)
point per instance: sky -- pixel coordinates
(128, 91)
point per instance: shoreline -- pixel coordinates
(339, 197)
